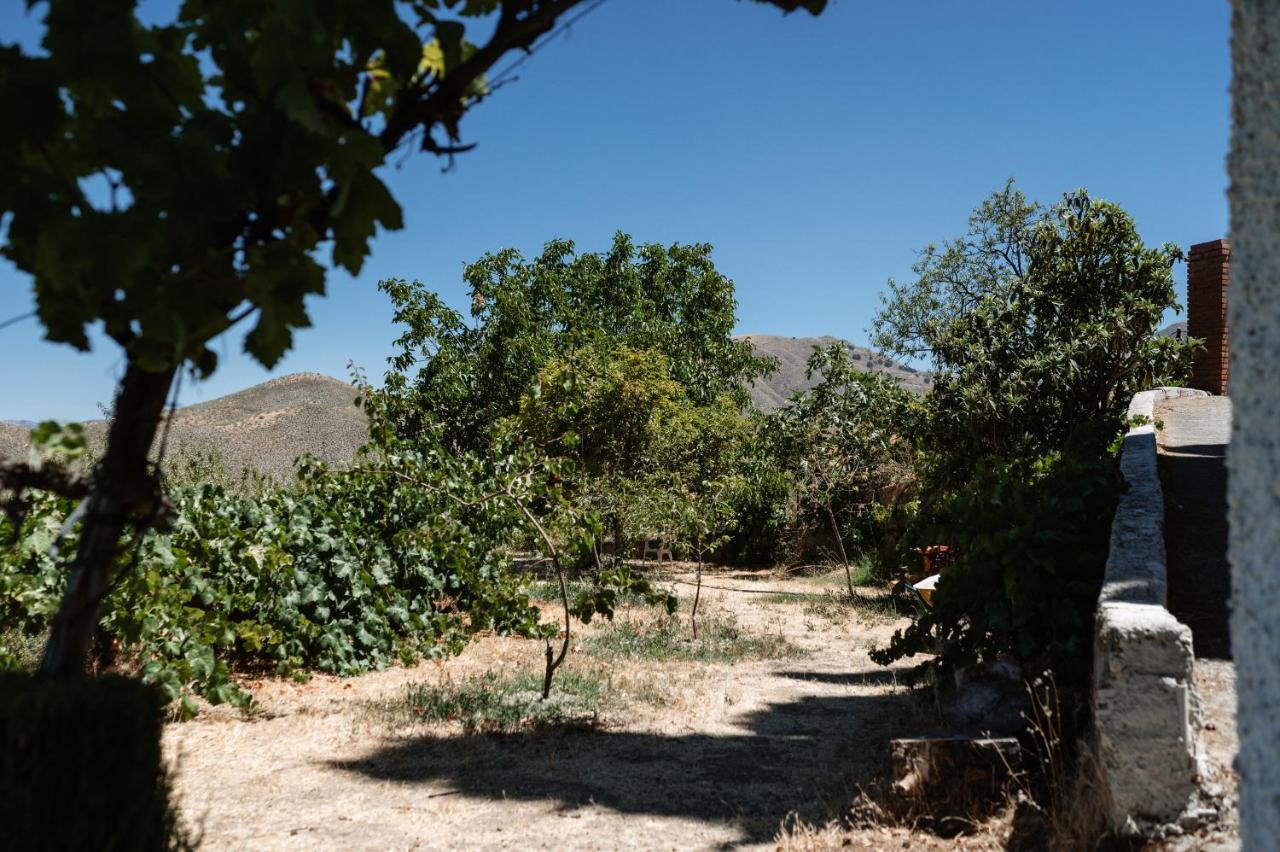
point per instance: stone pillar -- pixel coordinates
(1208, 273)
(1253, 460)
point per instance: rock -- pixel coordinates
(990, 699)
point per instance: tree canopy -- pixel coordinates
(524, 314)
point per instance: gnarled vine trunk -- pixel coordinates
(123, 489)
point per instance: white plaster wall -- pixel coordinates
(1253, 461)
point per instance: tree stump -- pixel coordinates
(951, 776)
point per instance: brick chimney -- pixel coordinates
(1208, 273)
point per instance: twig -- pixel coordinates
(19, 318)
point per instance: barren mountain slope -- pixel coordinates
(13, 441)
(264, 427)
(793, 353)
(269, 425)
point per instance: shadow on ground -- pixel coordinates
(807, 757)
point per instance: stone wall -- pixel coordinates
(1146, 711)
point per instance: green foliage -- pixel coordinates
(1041, 324)
(1033, 541)
(525, 315)
(348, 572)
(169, 177)
(848, 442)
(617, 584)
(81, 766)
(54, 442)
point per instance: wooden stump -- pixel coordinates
(950, 776)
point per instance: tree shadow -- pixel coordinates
(807, 757)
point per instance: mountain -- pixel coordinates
(264, 427)
(793, 353)
(13, 440)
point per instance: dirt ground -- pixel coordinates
(728, 754)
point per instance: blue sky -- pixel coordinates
(816, 154)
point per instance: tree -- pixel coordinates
(173, 180)
(601, 408)
(1034, 378)
(1040, 323)
(848, 440)
(669, 300)
(686, 496)
(951, 281)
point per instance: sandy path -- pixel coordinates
(734, 751)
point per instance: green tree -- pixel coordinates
(1039, 323)
(231, 149)
(848, 444)
(469, 376)
(1040, 336)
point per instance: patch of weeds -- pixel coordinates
(720, 640)
(783, 598)
(495, 703)
(645, 691)
(838, 607)
(548, 591)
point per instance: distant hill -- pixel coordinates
(265, 427)
(793, 353)
(13, 440)
(1177, 329)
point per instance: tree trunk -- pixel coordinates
(693, 616)
(844, 557)
(619, 547)
(123, 489)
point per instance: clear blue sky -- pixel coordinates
(816, 154)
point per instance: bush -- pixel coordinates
(81, 766)
(345, 573)
(1032, 541)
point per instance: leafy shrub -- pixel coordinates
(1041, 325)
(346, 573)
(81, 766)
(1035, 537)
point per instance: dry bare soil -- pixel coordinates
(689, 755)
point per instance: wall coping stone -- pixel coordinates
(1145, 707)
